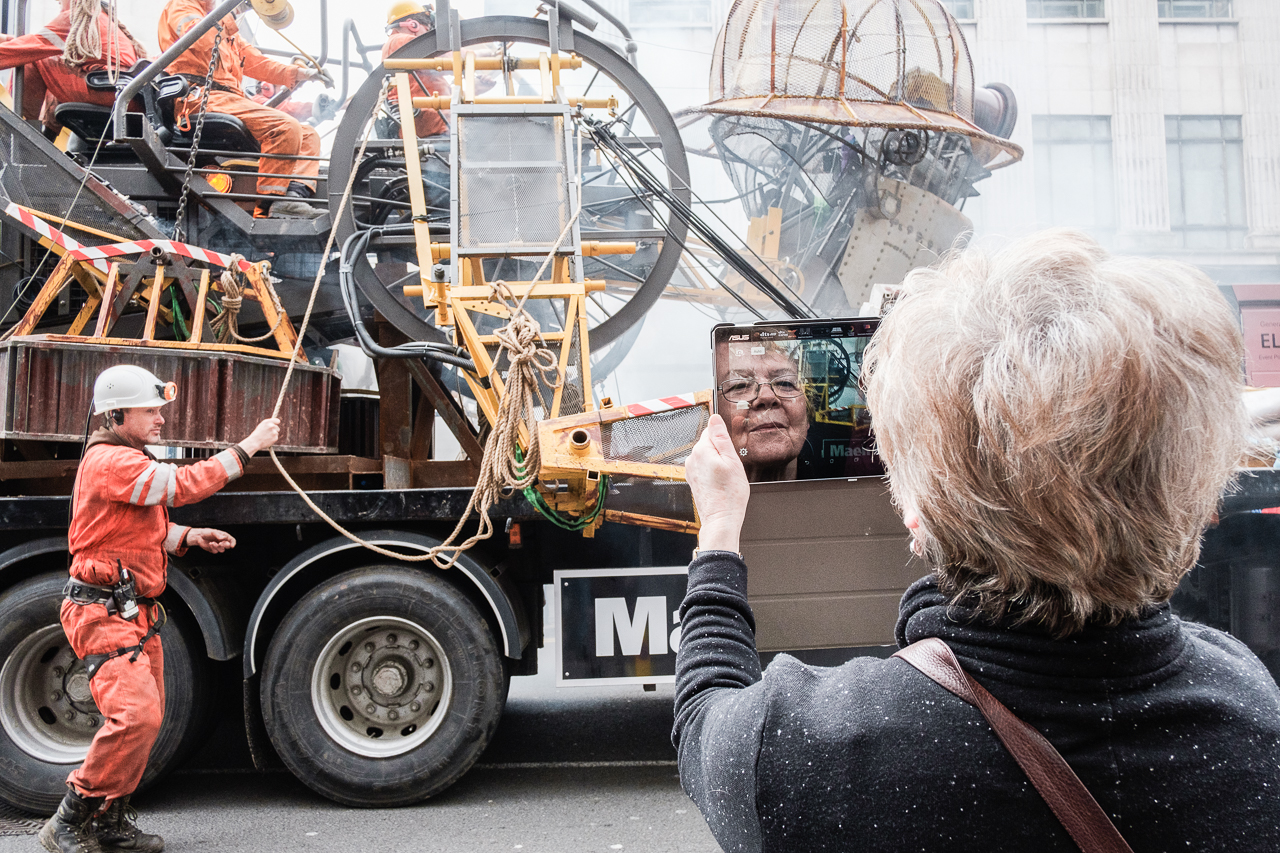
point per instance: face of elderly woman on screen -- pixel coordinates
(763, 404)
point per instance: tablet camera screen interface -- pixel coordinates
(791, 397)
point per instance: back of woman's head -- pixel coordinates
(1062, 421)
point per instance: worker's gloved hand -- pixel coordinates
(213, 541)
(263, 436)
(318, 75)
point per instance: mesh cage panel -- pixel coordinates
(662, 438)
(512, 182)
(657, 498)
(574, 394)
(29, 178)
(878, 51)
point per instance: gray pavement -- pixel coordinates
(569, 770)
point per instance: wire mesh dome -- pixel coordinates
(863, 63)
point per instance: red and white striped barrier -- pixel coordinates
(47, 231)
(99, 254)
(137, 247)
(663, 404)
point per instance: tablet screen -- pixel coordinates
(791, 397)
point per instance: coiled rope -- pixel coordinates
(225, 325)
(501, 467)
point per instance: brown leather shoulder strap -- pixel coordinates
(1061, 788)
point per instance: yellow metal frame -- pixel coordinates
(569, 478)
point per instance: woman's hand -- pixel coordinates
(719, 486)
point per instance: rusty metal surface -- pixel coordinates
(48, 388)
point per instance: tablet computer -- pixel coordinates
(791, 396)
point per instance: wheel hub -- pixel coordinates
(46, 707)
(381, 686)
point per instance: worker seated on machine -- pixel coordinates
(287, 183)
(59, 56)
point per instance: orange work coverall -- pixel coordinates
(42, 51)
(120, 518)
(298, 109)
(275, 131)
(427, 122)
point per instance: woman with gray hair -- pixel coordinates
(1058, 426)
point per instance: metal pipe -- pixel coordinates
(161, 62)
(19, 75)
(618, 25)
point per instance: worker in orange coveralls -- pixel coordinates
(406, 20)
(119, 536)
(275, 131)
(57, 61)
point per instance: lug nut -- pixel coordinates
(371, 708)
(392, 715)
(416, 706)
(57, 671)
(368, 647)
(57, 694)
(355, 667)
(70, 715)
(391, 639)
(429, 686)
(413, 645)
(93, 721)
(429, 662)
(357, 690)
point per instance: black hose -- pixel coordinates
(353, 247)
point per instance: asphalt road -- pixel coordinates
(569, 769)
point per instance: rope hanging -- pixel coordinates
(225, 325)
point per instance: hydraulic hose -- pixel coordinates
(353, 247)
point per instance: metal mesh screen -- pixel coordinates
(656, 498)
(664, 438)
(878, 51)
(513, 192)
(35, 174)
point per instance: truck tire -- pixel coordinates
(382, 687)
(48, 718)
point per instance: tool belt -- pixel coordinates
(197, 81)
(81, 593)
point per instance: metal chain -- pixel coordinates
(195, 135)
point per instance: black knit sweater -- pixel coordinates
(1174, 727)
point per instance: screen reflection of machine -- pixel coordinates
(791, 397)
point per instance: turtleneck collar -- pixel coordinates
(1133, 654)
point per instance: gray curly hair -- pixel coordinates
(1063, 422)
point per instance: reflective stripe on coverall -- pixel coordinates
(42, 51)
(276, 132)
(120, 514)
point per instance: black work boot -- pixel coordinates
(118, 831)
(70, 829)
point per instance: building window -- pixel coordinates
(1065, 9)
(960, 9)
(1074, 185)
(1206, 181)
(1194, 8)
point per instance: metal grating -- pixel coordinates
(513, 193)
(14, 822)
(664, 438)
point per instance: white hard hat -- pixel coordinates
(127, 387)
